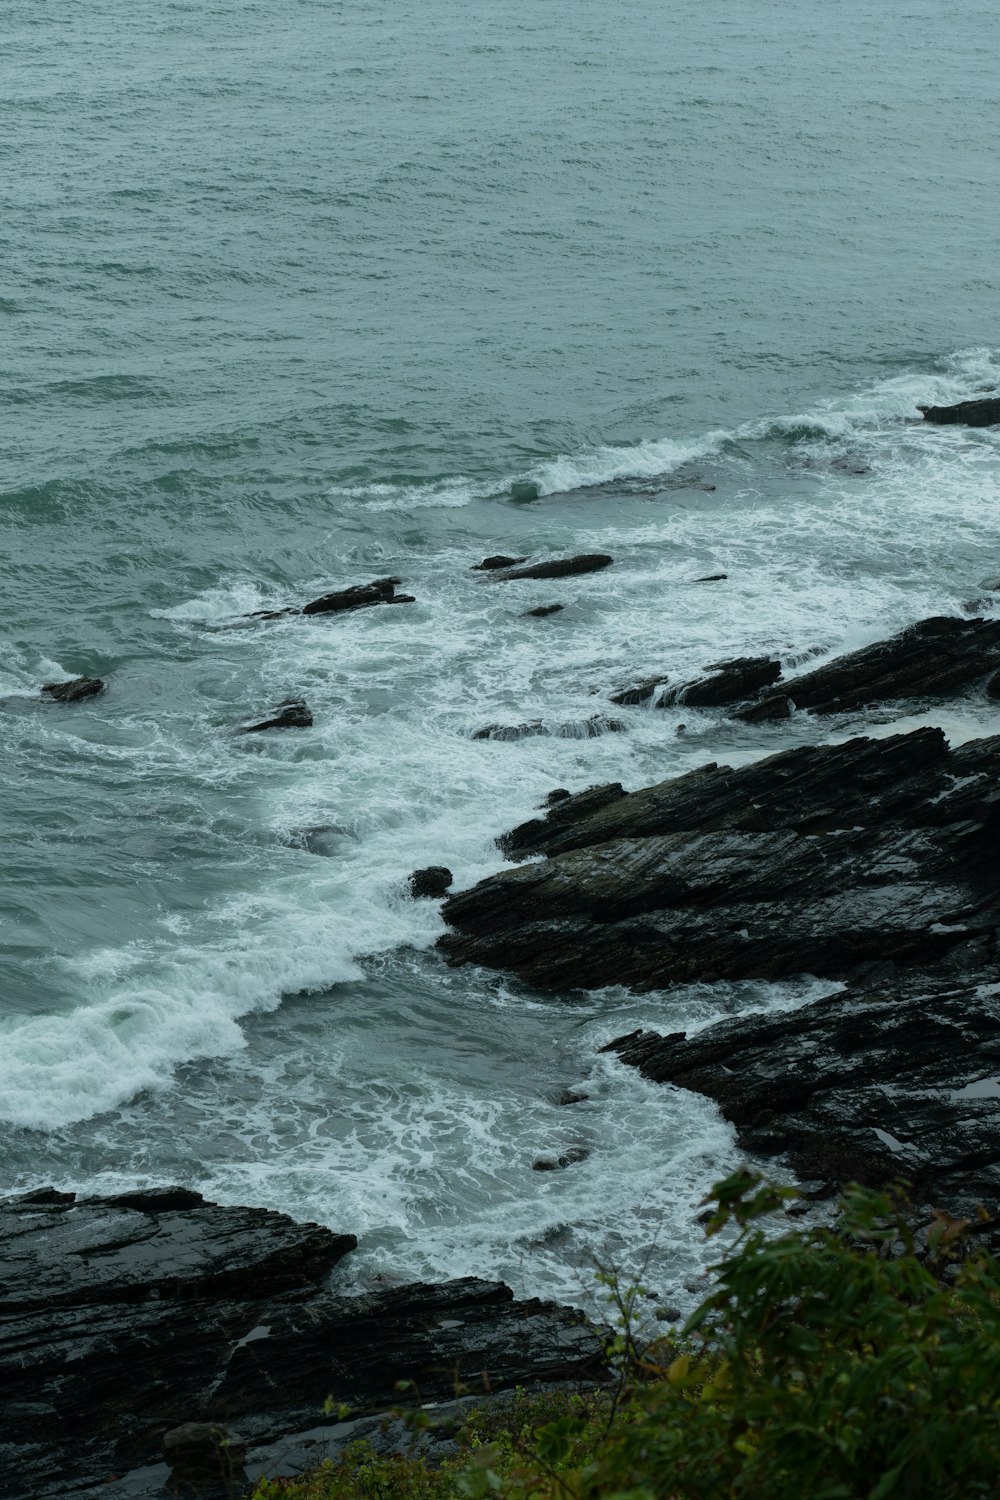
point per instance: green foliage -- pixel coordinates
(833, 1363)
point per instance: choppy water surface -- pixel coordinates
(292, 296)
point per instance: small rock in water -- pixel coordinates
(524, 489)
(292, 713)
(432, 882)
(559, 794)
(498, 560)
(571, 1096)
(667, 1314)
(567, 1159)
(561, 567)
(711, 578)
(542, 610)
(993, 686)
(74, 689)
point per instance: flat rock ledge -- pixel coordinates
(814, 861)
(896, 1078)
(123, 1318)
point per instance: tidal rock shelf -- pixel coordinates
(124, 1318)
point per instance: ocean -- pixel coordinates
(301, 294)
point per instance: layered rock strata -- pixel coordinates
(123, 1318)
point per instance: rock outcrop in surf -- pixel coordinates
(982, 413)
(341, 601)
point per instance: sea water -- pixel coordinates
(300, 294)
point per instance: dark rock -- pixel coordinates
(667, 1313)
(712, 578)
(993, 686)
(358, 596)
(490, 564)
(73, 690)
(585, 729)
(432, 882)
(567, 1158)
(936, 658)
(850, 1088)
(561, 567)
(205, 1459)
(559, 794)
(292, 714)
(544, 609)
(572, 1096)
(120, 1324)
(985, 413)
(564, 812)
(778, 706)
(731, 682)
(640, 693)
(816, 860)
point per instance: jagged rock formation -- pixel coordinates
(892, 1079)
(933, 659)
(814, 860)
(729, 682)
(578, 729)
(123, 1318)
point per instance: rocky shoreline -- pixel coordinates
(872, 862)
(125, 1319)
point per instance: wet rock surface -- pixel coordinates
(73, 690)
(340, 601)
(936, 658)
(728, 682)
(432, 882)
(896, 1079)
(292, 713)
(560, 567)
(577, 729)
(985, 413)
(814, 860)
(125, 1318)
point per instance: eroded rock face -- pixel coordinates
(814, 861)
(895, 1079)
(728, 682)
(123, 1318)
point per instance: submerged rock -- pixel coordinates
(541, 610)
(983, 413)
(560, 567)
(73, 690)
(712, 578)
(579, 729)
(292, 713)
(127, 1318)
(815, 860)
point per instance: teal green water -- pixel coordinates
(291, 295)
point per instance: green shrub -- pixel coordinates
(828, 1363)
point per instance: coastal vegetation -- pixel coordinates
(859, 1357)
